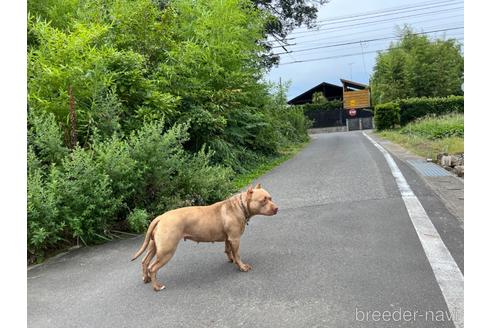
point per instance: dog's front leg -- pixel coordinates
(228, 251)
(237, 258)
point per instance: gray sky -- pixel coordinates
(335, 28)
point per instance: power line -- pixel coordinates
(369, 40)
(316, 39)
(342, 56)
(391, 9)
(380, 15)
(350, 26)
(356, 46)
(364, 16)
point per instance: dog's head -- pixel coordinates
(260, 202)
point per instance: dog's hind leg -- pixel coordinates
(161, 259)
(146, 261)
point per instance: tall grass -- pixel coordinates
(431, 135)
(437, 127)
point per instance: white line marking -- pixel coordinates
(446, 271)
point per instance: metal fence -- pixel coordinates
(333, 117)
(360, 123)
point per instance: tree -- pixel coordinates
(319, 98)
(283, 17)
(288, 14)
(416, 66)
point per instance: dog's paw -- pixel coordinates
(245, 267)
(159, 287)
(146, 279)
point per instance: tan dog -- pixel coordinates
(222, 222)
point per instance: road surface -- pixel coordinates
(341, 250)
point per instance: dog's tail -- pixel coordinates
(147, 238)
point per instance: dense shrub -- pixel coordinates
(114, 159)
(87, 202)
(138, 220)
(93, 189)
(45, 225)
(45, 137)
(170, 176)
(327, 105)
(413, 108)
(386, 116)
(437, 127)
(169, 104)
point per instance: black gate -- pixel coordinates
(334, 117)
(361, 123)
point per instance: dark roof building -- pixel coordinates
(354, 95)
(330, 91)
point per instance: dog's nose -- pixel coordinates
(275, 210)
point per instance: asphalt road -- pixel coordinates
(342, 245)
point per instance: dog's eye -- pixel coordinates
(265, 199)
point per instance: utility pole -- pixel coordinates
(350, 65)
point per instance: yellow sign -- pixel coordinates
(352, 103)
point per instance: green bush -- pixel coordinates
(328, 105)
(437, 127)
(386, 116)
(159, 157)
(87, 202)
(201, 183)
(45, 137)
(169, 176)
(138, 220)
(169, 102)
(413, 108)
(114, 158)
(45, 225)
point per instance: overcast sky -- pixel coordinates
(375, 19)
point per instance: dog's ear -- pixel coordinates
(250, 190)
(258, 186)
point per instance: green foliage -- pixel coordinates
(87, 202)
(327, 105)
(431, 135)
(160, 158)
(45, 226)
(283, 16)
(115, 159)
(319, 98)
(413, 108)
(169, 103)
(59, 13)
(437, 127)
(138, 220)
(164, 174)
(45, 137)
(416, 66)
(386, 116)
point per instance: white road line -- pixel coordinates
(446, 271)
